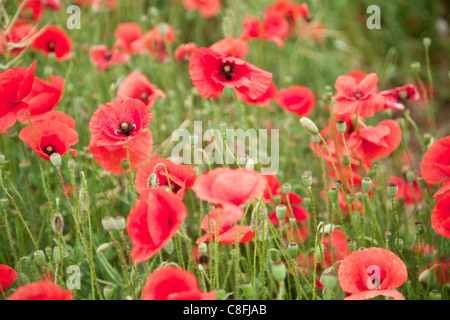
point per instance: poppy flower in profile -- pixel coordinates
(7, 277)
(229, 186)
(15, 85)
(43, 97)
(18, 36)
(404, 190)
(372, 143)
(184, 51)
(297, 99)
(110, 158)
(171, 283)
(43, 290)
(253, 28)
(179, 176)
(137, 86)
(394, 99)
(372, 272)
(263, 100)
(435, 167)
(221, 220)
(103, 58)
(53, 136)
(211, 72)
(440, 218)
(119, 121)
(129, 38)
(206, 8)
(54, 40)
(359, 99)
(153, 221)
(231, 47)
(443, 191)
(155, 41)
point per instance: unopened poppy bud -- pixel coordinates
(55, 159)
(307, 178)
(2, 159)
(220, 294)
(319, 252)
(309, 125)
(426, 42)
(329, 279)
(425, 275)
(202, 248)
(293, 250)
(281, 212)
(103, 246)
(427, 138)
(58, 223)
(108, 223)
(71, 164)
(56, 255)
(350, 198)
(125, 164)
(422, 184)
(410, 176)
(387, 235)
(279, 271)
(341, 126)
(315, 138)
(392, 189)
(39, 257)
(366, 184)
(415, 67)
(286, 188)
(49, 252)
(418, 225)
(169, 247)
(338, 184)
(120, 223)
(153, 181)
(435, 295)
(351, 243)
(4, 203)
(247, 290)
(263, 213)
(277, 199)
(108, 292)
(359, 195)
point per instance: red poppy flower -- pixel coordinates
(222, 220)
(357, 74)
(153, 221)
(211, 72)
(440, 218)
(206, 8)
(404, 190)
(103, 58)
(275, 23)
(180, 176)
(57, 116)
(394, 98)
(371, 143)
(43, 290)
(184, 51)
(53, 136)
(171, 283)
(442, 272)
(129, 38)
(272, 187)
(137, 86)
(110, 158)
(155, 41)
(32, 11)
(291, 10)
(231, 47)
(229, 186)
(255, 29)
(15, 85)
(16, 40)
(7, 277)
(372, 272)
(339, 248)
(43, 97)
(359, 99)
(263, 100)
(119, 121)
(54, 40)
(297, 99)
(442, 192)
(436, 162)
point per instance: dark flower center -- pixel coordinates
(52, 46)
(358, 95)
(108, 55)
(48, 150)
(125, 128)
(145, 95)
(227, 70)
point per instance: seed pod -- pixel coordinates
(278, 271)
(108, 223)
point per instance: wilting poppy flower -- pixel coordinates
(129, 38)
(206, 8)
(119, 121)
(7, 277)
(253, 28)
(221, 220)
(359, 99)
(171, 283)
(229, 186)
(404, 190)
(44, 290)
(43, 97)
(103, 58)
(263, 100)
(137, 86)
(211, 72)
(436, 162)
(372, 272)
(440, 218)
(184, 51)
(443, 191)
(54, 40)
(180, 176)
(371, 143)
(394, 99)
(155, 41)
(153, 221)
(16, 40)
(52, 136)
(15, 85)
(297, 99)
(110, 158)
(231, 47)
